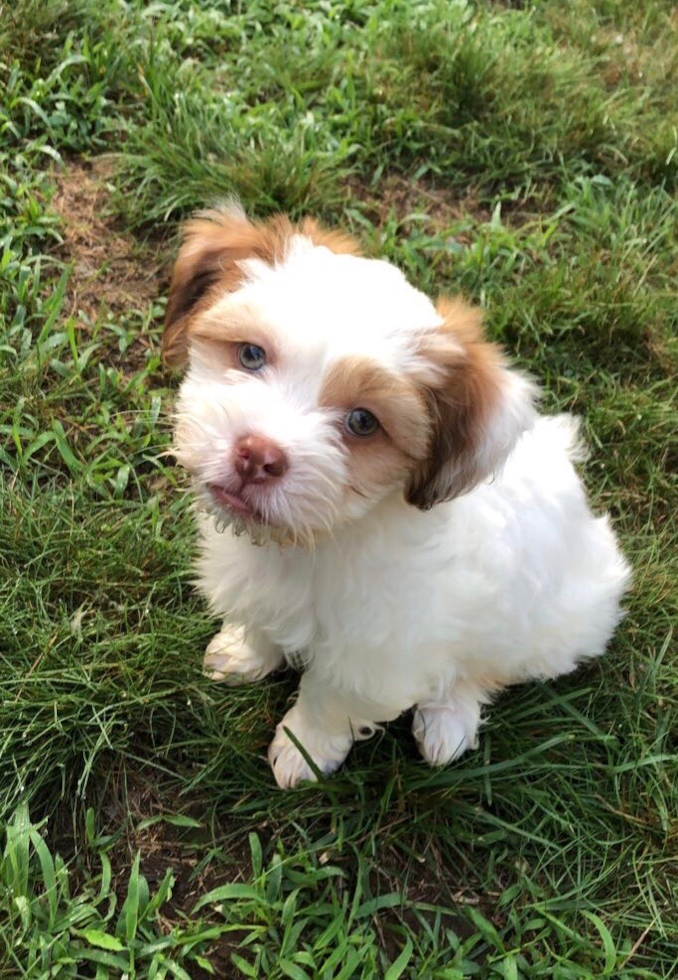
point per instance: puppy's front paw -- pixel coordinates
(229, 658)
(289, 765)
(445, 731)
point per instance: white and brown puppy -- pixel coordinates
(380, 500)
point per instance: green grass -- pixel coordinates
(523, 154)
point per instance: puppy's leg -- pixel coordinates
(238, 656)
(445, 729)
(321, 722)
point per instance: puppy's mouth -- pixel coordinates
(234, 503)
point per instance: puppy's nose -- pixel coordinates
(259, 460)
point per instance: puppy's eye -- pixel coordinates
(360, 422)
(251, 357)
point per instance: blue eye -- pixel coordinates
(360, 422)
(251, 357)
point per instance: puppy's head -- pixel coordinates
(319, 382)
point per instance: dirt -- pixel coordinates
(163, 846)
(112, 273)
(443, 206)
(403, 197)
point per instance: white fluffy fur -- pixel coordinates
(392, 607)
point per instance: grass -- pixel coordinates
(523, 154)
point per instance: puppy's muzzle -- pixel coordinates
(258, 460)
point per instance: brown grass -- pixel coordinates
(111, 271)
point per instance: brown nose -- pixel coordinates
(258, 460)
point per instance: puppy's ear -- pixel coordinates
(336, 241)
(213, 244)
(478, 407)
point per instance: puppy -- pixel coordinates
(379, 500)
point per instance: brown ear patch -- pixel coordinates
(214, 242)
(336, 241)
(461, 397)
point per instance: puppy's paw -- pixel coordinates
(230, 659)
(445, 731)
(289, 765)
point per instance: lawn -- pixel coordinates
(524, 154)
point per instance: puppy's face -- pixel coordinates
(320, 381)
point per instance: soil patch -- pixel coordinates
(112, 271)
(403, 197)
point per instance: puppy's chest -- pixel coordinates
(362, 600)
(327, 597)
(346, 602)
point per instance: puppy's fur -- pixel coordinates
(429, 564)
